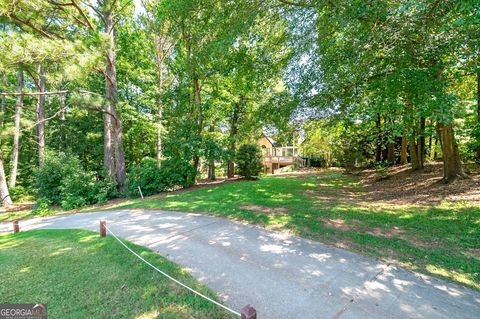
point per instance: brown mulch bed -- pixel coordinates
(424, 187)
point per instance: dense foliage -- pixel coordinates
(63, 181)
(145, 176)
(249, 158)
(152, 179)
(400, 81)
(186, 82)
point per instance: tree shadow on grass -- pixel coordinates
(437, 241)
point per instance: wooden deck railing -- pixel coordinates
(285, 160)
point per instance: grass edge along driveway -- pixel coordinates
(441, 240)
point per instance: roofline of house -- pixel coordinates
(275, 144)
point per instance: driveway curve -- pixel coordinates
(282, 276)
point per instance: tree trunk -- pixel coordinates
(197, 98)
(452, 165)
(415, 147)
(16, 132)
(478, 115)
(231, 168)
(211, 162)
(198, 103)
(233, 138)
(161, 53)
(414, 157)
(4, 193)
(211, 170)
(403, 153)
(421, 144)
(391, 141)
(391, 153)
(378, 155)
(430, 145)
(111, 96)
(40, 114)
(63, 144)
(119, 154)
(114, 155)
(108, 156)
(4, 100)
(159, 134)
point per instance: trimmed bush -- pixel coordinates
(249, 160)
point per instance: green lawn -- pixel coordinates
(443, 240)
(80, 275)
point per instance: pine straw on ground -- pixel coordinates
(423, 187)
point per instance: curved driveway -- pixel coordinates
(282, 276)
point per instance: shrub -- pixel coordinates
(350, 157)
(72, 201)
(105, 187)
(177, 172)
(151, 179)
(147, 176)
(318, 161)
(49, 177)
(76, 188)
(61, 180)
(249, 160)
(42, 206)
(19, 193)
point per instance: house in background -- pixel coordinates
(276, 156)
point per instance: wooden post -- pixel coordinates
(248, 312)
(103, 229)
(16, 227)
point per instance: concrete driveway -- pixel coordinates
(280, 275)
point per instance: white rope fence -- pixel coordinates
(171, 278)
